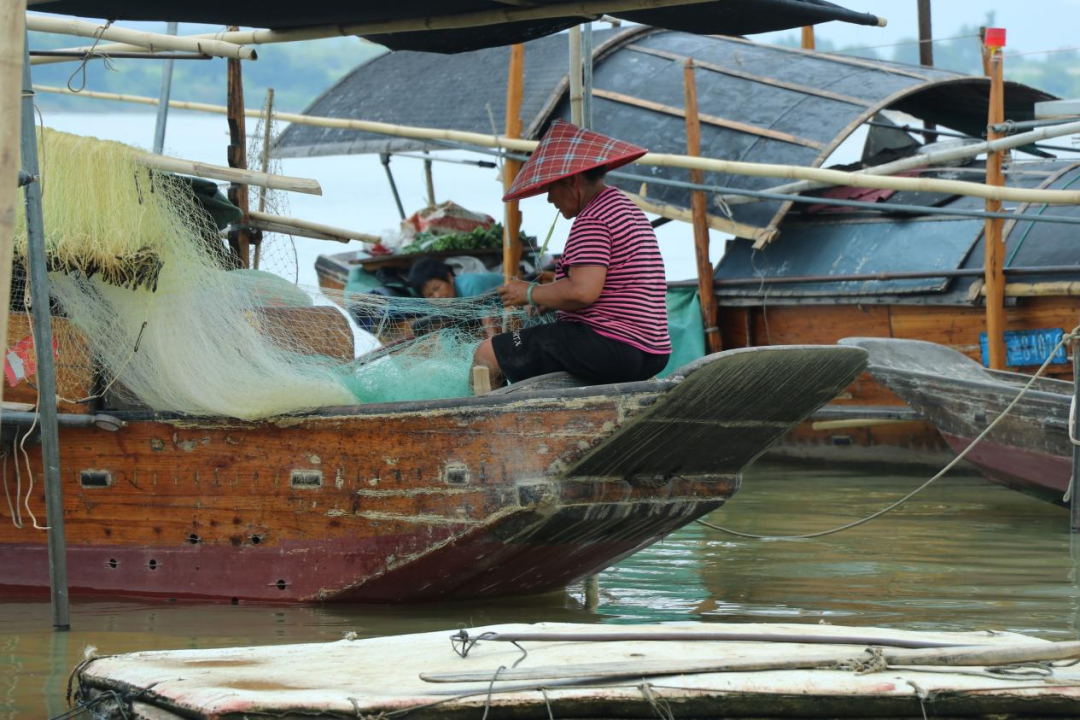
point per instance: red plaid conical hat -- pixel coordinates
(567, 150)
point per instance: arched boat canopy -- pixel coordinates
(758, 103)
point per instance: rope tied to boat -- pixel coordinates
(659, 705)
(1071, 336)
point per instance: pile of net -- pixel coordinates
(164, 321)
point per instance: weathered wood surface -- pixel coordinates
(382, 675)
(956, 327)
(407, 501)
(1029, 450)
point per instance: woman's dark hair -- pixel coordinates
(428, 269)
(596, 173)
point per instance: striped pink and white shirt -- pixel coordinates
(611, 231)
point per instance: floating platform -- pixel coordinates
(683, 670)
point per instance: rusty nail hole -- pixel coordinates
(152, 564)
(194, 539)
(255, 539)
(281, 584)
(113, 563)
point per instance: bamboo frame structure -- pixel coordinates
(12, 32)
(147, 42)
(577, 78)
(589, 9)
(994, 258)
(932, 158)
(240, 238)
(730, 167)
(715, 222)
(699, 206)
(268, 222)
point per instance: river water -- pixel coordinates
(962, 555)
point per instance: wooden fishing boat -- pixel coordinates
(523, 490)
(1028, 451)
(674, 670)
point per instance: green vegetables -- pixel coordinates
(489, 238)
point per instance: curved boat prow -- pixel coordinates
(724, 412)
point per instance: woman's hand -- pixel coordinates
(513, 293)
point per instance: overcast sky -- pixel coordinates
(1031, 24)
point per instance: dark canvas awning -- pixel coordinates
(722, 16)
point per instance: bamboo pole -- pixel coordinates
(577, 90)
(730, 167)
(220, 172)
(164, 93)
(12, 34)
(699, 206)
(147, 42)
(994, 262)
(305, 228)
(926, 54)
(264, 165)
(591, 9)
(674, 212)
(512, 221)
(808, 38)
(240, 238)
(931, 158)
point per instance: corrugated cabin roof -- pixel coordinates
(758, 103)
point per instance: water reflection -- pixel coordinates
(963, 555)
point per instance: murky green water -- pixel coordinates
(963, 555)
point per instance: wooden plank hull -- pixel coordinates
(1029, 450)
(459, 498)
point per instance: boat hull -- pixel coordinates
(472, 497)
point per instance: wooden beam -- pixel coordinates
(674, 212)
(512, 226)
(12, 40)
(730, 167)
(577, 90)
(142, 41)
(709, 119)
(305, 228)
(994, 258)
(589, 9)
(239, 239)
(808, 38)
(802, 89)
(699, 206)
(306, 186)
(842, 59)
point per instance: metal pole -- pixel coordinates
(163, 104)
(587, 60)
(385, 158)
(43, 341)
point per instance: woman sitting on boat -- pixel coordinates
(609, 283)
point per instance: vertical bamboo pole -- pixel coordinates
(12, 33)
(515, 88)
(43, 343)
(240, 240)
(163, 98)
(429, 181)
(995, 246)
(587, 77)
(984, 51)
(577, 99)
(264, 165)
(1074, 506)
(808, 38)
(699, 206)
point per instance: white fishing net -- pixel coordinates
(150, 314)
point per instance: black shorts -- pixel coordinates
(575, 348)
